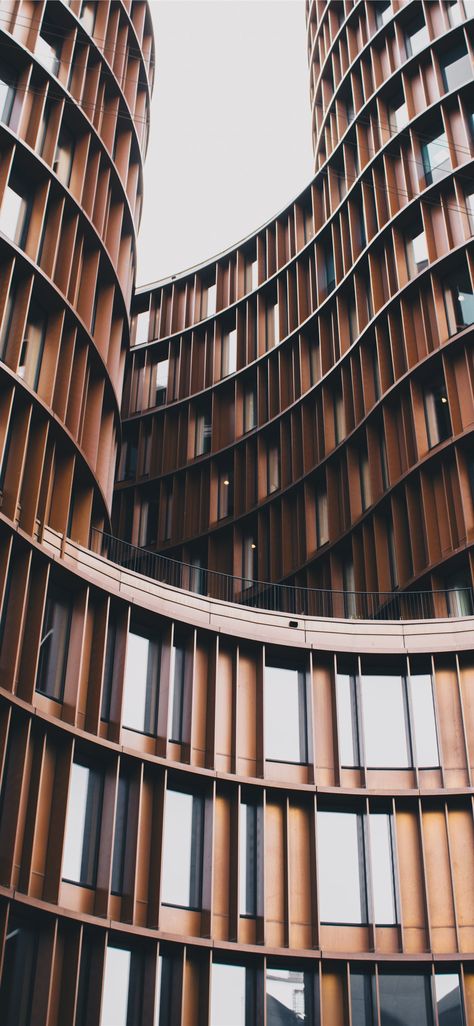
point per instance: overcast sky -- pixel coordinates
(230, 140)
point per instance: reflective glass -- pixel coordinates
(362, 1004)
(416, 35)
(456, 66)
(120, 834)
(19, 971)
(141, 683)
(7, 95)
(249, 857)
(29, 364)
(436, 159)
(114, 1009)
(228, 995)
(176, 695)
(347, 719)
(229, 353)
(161, 382)
(405, 1000)
(48, 53)
(211, 300)
(342, 896)
(288, 990)
(383, 887)
(14, 215)
(424, 720)
(448, 999)
(54, 644)
(385, 731)
(182, 850)
(142, 321)
(82, 825)
(285, 715)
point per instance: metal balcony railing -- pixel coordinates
(285, 598)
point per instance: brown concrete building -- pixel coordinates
(237, 726)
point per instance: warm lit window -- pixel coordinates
(285, 714)
(225, 495)
(183, 837)
(54, 644)
(438, 420)
(81, 838)
(249, 560)
(456, 66)
(141, 683)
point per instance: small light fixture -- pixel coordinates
(293, 623)
(226, 481)
(443, 399)
(253, 545)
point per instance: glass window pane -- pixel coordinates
(385, 733)
(456, 66)
(142, 323)
(383, 887)
(82, 825)
(115, 989)
(140, 697)
(14, 214)
(347, 719)
(362, 1003)
(249, 858)
(405, 999)
(182, 850)
(7, 94)
(448, 999)
(424, 721)
(436, 159)
(31, 354)
(228, 995)
(289, 990)
(19, 970)
(120, 835)
(54, 645)
(176, 695)
(340, 861)
(285, 715)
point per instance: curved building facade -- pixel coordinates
(212, 814)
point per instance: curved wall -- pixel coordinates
(332, 387)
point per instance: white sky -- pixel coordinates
(230, 140)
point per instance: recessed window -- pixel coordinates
(364, 478)
(225, 495)
(383, 12)
(322, 521)
(31, 353)
(210, 300)
(416, 34)
(273, 467)
(345, 892)
(405, 998)
(435, 158)
(122, 988)
(141, 683)
(7, 93)
(142, 322)
(129, 458)
(229, 352)
(417, 251)
(176, 698)
(456, 66)
(397, 113)
(15, 212)
(202, 442)
(250, 408)
(232, 995)
(250, 857)
(87, 15)
(81, 838)
(64, 156)
(19, 971)
(120, 833)
(363, 998)
(286, 730)
(109, 664)
(183, 836)
(289, 996)
(272, 318)
(160, 383)
(329, 267)
(459, 595)
(459, 300)
(456, 12)
(249, 560)
(438, 420)
(54, 644)
(48, 49)
(448, 999)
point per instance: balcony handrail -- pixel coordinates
(292, 599)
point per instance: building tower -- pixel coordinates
(236, 784)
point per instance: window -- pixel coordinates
(273, 467)
(249, 561)
(48, 49)
(417, 251)
(405, 999)
(364, 478)
(459, 595)
(120, 834)
(416, 34)
(383, 12)
(459, 300)
(348, 884)
(448, 999)
(31, 352)
(210, 300)
(469, 200)
(15, 213)
(322, 523)
(142, 322)
(435, 158)
(176, 707)
(19, 971)
(362, 998)
(329, 267)
(161, 382)
(122, 988)
(290, 997)
(251, 272)
(348, 587)
(229, 352)
(81, 838)
(272, 321)
(438, 421)
(202, 442)
(129, 457)
(183, 837)
(64, 156)
(456, 13)
(339, 418)
(87, 15)
(456, 66)
(141, 683)
(168, 507)
(108, 668)
(285, 714)
(250, 858)
(54, 644)
(397, 113)
(225, 495)
(232, 995)
(7, 93)
(374, 722)
(250, 408)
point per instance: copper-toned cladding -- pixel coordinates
(299, 409)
